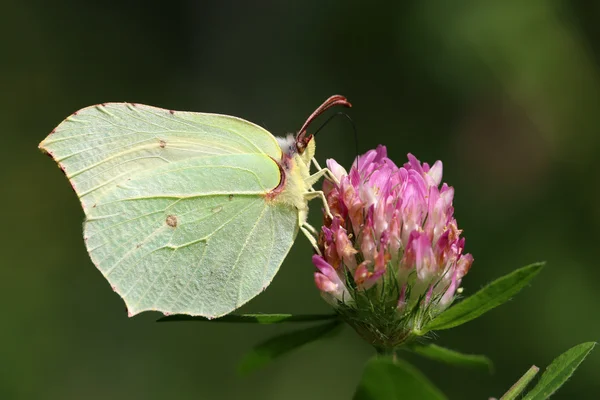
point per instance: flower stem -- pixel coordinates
(387, 352)
(520, 385)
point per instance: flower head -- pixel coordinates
(391, 256)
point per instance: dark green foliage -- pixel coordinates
(277, 346)
(494, 294)
(388, 379)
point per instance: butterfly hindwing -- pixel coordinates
(171, 240)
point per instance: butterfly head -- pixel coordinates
(291, 147)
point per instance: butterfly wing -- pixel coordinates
(185, 229)
(100, 146)
(193, 237)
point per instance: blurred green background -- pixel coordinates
(506, 93)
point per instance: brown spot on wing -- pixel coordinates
(171, 221)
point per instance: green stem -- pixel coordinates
(255, 318)
(521, 384)
(385, 352)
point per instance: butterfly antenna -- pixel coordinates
(351, 123)
(302, 138)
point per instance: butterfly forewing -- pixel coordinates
(101, 146)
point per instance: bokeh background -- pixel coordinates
(506, 93)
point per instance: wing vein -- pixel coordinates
(239, 255)
(158, 276)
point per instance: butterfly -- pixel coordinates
(185, 212)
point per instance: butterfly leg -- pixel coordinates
(319, 194)
(322, 171)
(310, 238)
(311, 229)
(310, 232)
(316, 176)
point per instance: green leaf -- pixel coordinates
(560, 371)
(264, 319)
(386, 379)
(516, 389)
(276, 346)
(452, 357)
(491, 296)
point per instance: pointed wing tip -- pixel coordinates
(44, 149)
(42, 144)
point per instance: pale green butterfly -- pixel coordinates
(187, 213)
